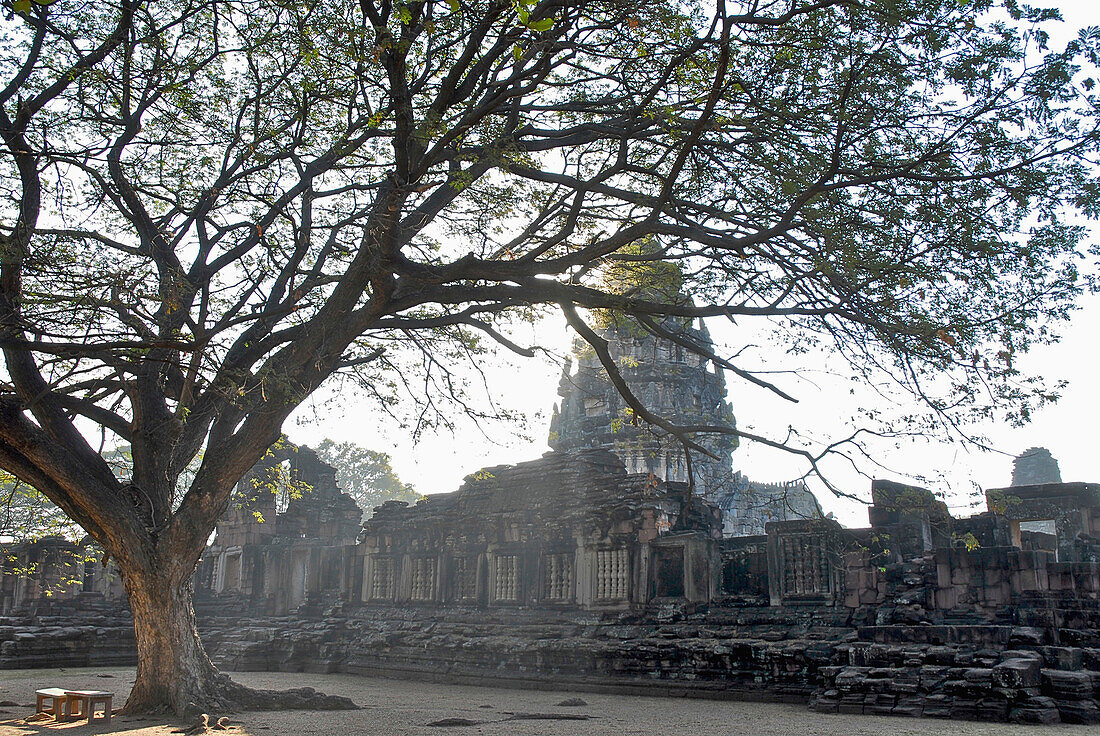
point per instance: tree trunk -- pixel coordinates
(173, 669)
(174, 673)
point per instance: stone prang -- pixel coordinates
(687, 389)
(1035, 466)
(670, 381)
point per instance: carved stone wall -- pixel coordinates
(1060, 518)
(747, 506)
(571, 529)
(274, 562)
(51, 570)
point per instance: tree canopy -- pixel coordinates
(212, 206)
(365, 475)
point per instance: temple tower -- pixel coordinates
(680, 385)
(670, 381)
(1034, 466)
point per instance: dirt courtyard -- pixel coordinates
(398, 707)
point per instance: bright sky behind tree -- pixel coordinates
(438, 462)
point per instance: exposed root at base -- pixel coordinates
(203, 725)
(223, 695)
(300, 698)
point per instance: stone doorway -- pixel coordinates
(669, 572)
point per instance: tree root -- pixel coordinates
(203, 725)
(222, 695)
(301, 698)
(233, 696)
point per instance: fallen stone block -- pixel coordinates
(910, 706)
(1035, 710)
(1026, 635)
(1064, 658)
(964, 709)
(938, 706)
(1079, 711)
(1017, 673)
(1067, 685)
(851, 704)
(993, 709)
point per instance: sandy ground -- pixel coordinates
(392, 707)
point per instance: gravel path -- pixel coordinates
(393, 707)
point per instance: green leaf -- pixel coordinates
(21, 6)
(454, 5)
(541, 25)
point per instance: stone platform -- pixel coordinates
(823, 657)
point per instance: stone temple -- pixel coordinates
(599, 566)
(685, 388)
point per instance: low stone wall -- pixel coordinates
(82, 631)
(830, 658)
(46, 644)
(964, 670)
(763, 653)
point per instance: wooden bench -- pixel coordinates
(59, 706)
(82, 704)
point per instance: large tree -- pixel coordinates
(212, 206)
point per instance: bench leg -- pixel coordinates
(75, 707)
(60, 710)
(52, 710)
(106, 717)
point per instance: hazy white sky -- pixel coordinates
(437, 463)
